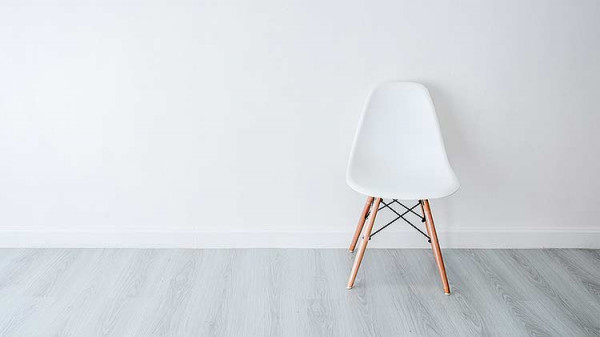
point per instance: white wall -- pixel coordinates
(228, 123)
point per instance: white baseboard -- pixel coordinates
(467, 238)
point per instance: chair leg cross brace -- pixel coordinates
(372, 206)
(401, 216)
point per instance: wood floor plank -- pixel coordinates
(483, 298)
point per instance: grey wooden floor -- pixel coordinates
(297, 292)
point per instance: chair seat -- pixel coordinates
(404, 185)
(398, 151)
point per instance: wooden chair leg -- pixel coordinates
(361, 223)
(363, 245)
(437, 253)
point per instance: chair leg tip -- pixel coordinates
(349, 287)
(447, 294)
(351, 250)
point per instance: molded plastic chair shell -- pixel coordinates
(398, 151)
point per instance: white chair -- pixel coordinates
(398, 154)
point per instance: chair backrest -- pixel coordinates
(399, 135)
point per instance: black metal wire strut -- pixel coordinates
(401, 216)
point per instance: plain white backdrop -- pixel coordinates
(229, 123)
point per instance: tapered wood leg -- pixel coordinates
(363, 245)
(361, 223)
(437, 253)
